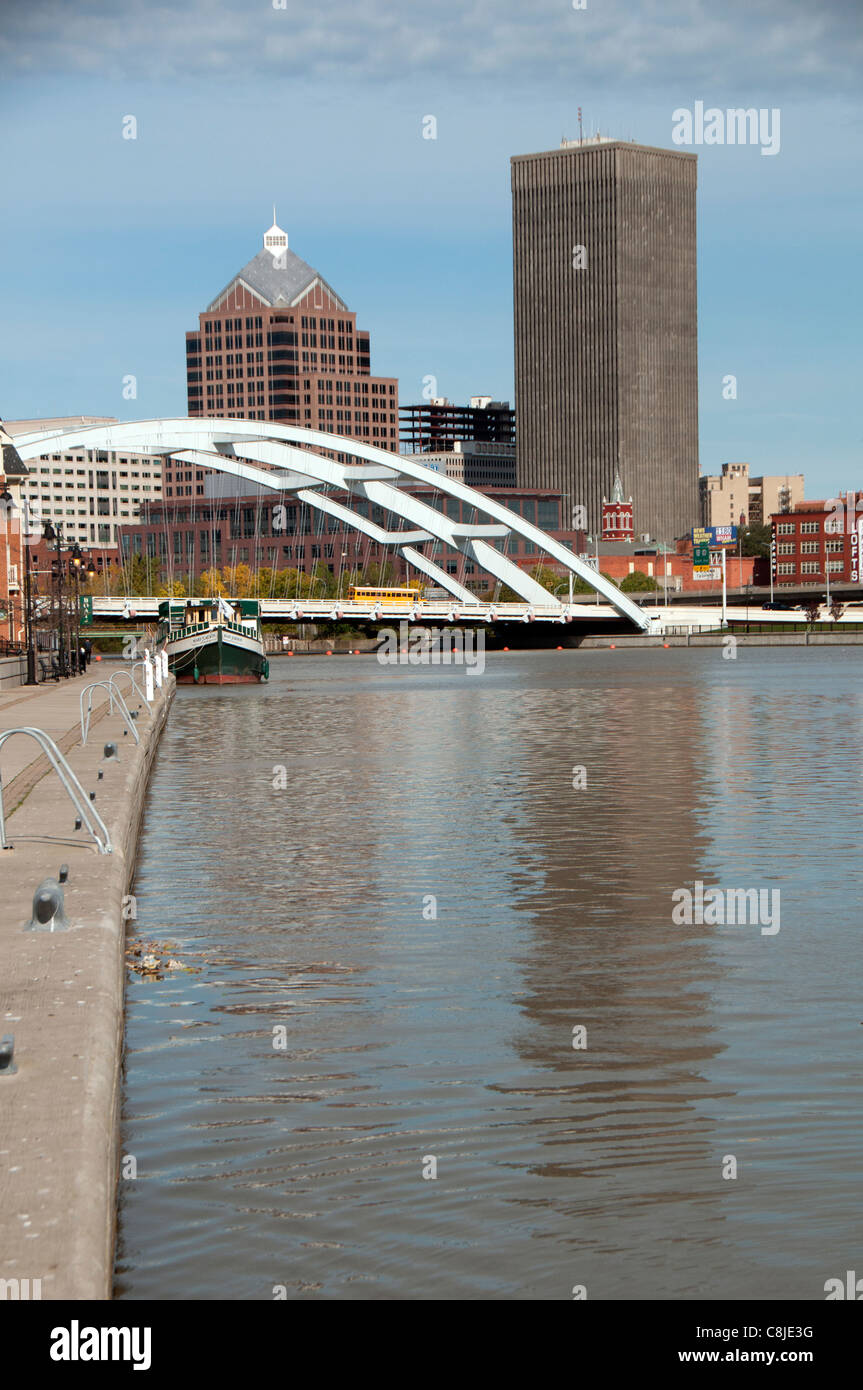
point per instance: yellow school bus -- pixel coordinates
(392, 596)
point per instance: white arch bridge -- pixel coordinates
(240, 447)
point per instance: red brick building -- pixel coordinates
(278, 343)
(12, 543)
(212, 532)
(617, 521)
(818, 539)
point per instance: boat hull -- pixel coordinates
(218, 657)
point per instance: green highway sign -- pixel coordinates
(700, 556)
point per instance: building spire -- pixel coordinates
(275, 240)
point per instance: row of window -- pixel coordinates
(812, 567)
(810, 547)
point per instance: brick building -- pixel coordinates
(13, 472)
(278, 343)
(818, 539)
(617, 519)
(203, 533)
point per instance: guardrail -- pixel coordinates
(87, 812)
(112, 696)
(341, 610)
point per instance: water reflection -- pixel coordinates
(427, 910)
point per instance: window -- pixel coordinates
(785, 569)
(810, 567)
(785, 528)
(809, 547)
(810, 528)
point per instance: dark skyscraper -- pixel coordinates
(606, 328)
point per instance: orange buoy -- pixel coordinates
(329, 653)
(666, 644)
(506, 649)
(613, 645)
(97, 657)
(560, 649)
(357, 652)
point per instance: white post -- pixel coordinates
(165, 671)
(597, 564)
(570, 588)
(149, 693)
(724, 618)
(157, 669)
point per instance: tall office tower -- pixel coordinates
(606, 328)
(279, 344)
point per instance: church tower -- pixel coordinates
(617, 523)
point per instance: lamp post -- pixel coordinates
(67, 655)
(50, 533)
(76, 560)
(28, 619)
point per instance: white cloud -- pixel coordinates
(724, 43)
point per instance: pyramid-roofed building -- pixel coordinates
(278, 343)
(277, 276)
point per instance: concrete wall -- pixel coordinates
(63, 999)
(13, 670)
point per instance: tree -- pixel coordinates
(210, 584)
(175, 589)
(638, 583)
(549, 579)
(239, 578)
(836, 610)
(812, 608)
(755, 539)
(143, 575)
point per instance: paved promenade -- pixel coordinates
(62, 993)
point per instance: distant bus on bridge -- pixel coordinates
(364, 595)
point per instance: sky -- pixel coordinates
(111, 247)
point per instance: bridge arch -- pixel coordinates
(237, 446)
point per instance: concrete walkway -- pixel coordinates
(62, 993)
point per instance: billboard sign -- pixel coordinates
(714, 535)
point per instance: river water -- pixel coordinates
(394, 948)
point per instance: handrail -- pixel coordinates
(85, 808)
(112, 696)
(135, 686)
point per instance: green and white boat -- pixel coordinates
(213, 641)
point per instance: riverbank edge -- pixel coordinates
(54, 1127)
(561, 637)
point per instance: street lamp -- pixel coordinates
(76, 560)
(67, 659)
(28, 619)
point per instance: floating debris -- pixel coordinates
(149, 959)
